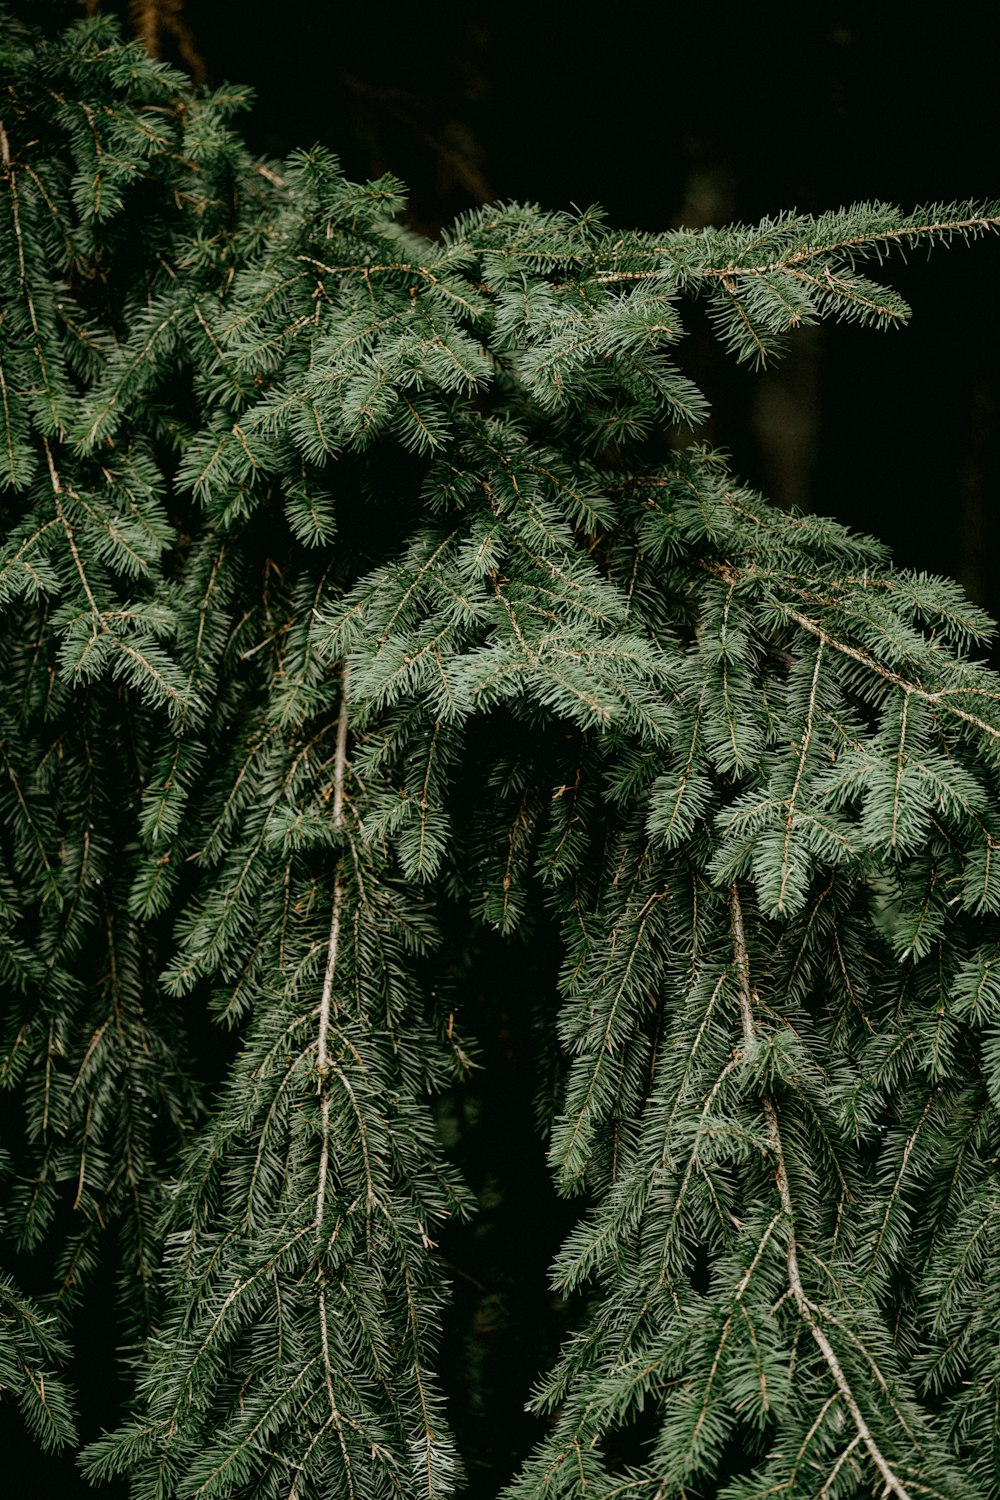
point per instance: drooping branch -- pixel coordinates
(806, 1309)
(332, 949)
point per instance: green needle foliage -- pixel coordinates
(354, 596)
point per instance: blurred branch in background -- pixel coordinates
(434, 124)
(162, 28)
(160, 24)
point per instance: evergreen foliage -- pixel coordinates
(353, 596)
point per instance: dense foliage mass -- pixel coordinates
(353, 594)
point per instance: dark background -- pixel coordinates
(679, 114)
(692, 114)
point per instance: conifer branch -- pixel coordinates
(336, 1419)
(974, 223)
(799, 254)
(806, 1309)
(24, 278)
(937, 696)
(333, 945)
(590, 701)
(57, 491)
(804, 744)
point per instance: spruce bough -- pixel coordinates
(351, 592)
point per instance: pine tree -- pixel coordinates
(360, 590)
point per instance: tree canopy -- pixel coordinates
(365, 596)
